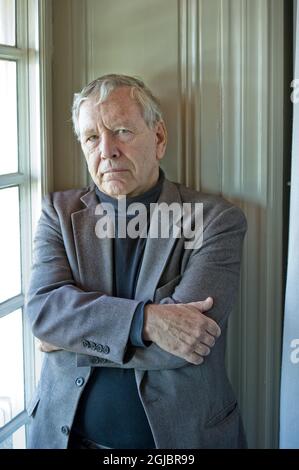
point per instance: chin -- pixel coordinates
(116, 189)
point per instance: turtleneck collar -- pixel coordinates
(150, 196)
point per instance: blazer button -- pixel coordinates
(95, 360)
(106, 349)
(65, 430)
(99, 348)
(85, 343)
(92, 346)
(79, 381)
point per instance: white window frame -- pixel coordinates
(32, 54)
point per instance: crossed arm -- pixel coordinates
(182, 329)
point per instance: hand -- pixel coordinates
(47, 347)
(182, 329)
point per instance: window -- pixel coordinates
(21, 131)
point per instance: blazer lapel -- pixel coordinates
(157, 251)
(94, 255)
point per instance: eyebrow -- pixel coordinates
(123, 123)
(92, 130)
(88, 130)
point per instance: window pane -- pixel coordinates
(16, 441)
(11, 371)
(8, 117)
(10, 266)
(7, 22)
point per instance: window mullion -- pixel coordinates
(13, 425)
(31, 141)
(11, 53)
(11, 305)
(22, 24)
(26, 108)
(12, 179)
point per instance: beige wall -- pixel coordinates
(139, 38)
(217, 67)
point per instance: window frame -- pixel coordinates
(32, 54)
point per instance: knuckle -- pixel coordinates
(187, 349)
(202, 337)
(180, 348)
(175, 348)
(198, 332)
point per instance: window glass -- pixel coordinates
(8, 117)
(7, 22)
(16, 441)
(20, 191)
(11, 366)
(10, 266)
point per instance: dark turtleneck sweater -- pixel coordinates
(110, 411)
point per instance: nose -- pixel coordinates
(108, 146)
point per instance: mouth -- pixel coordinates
(114, 170)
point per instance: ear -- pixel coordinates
(161, 139)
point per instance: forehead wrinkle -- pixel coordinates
(120, 103)
(110, 113)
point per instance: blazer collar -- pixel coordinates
(169, 194)
(95, 256)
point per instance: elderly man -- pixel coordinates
(132, 322)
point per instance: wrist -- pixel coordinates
(148, 322)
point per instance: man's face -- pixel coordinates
(122, 153)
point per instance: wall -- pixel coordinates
(218, 68)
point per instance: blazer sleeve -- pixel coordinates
(64, 315)
(212, 270)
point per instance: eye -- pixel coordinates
(123, 134)
(91, 139)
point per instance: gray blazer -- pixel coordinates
(69, 304)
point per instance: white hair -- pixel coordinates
(101, 88)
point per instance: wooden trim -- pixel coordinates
(79, 79)
(45, 83)
(188, 115)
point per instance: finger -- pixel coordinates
(201, 343)
(202, 350)
(195, 359)
(213, 328)
(47, 347)
(191, 356)
(208, 340)
(188, 347)
(203, 305)
(184, 348)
